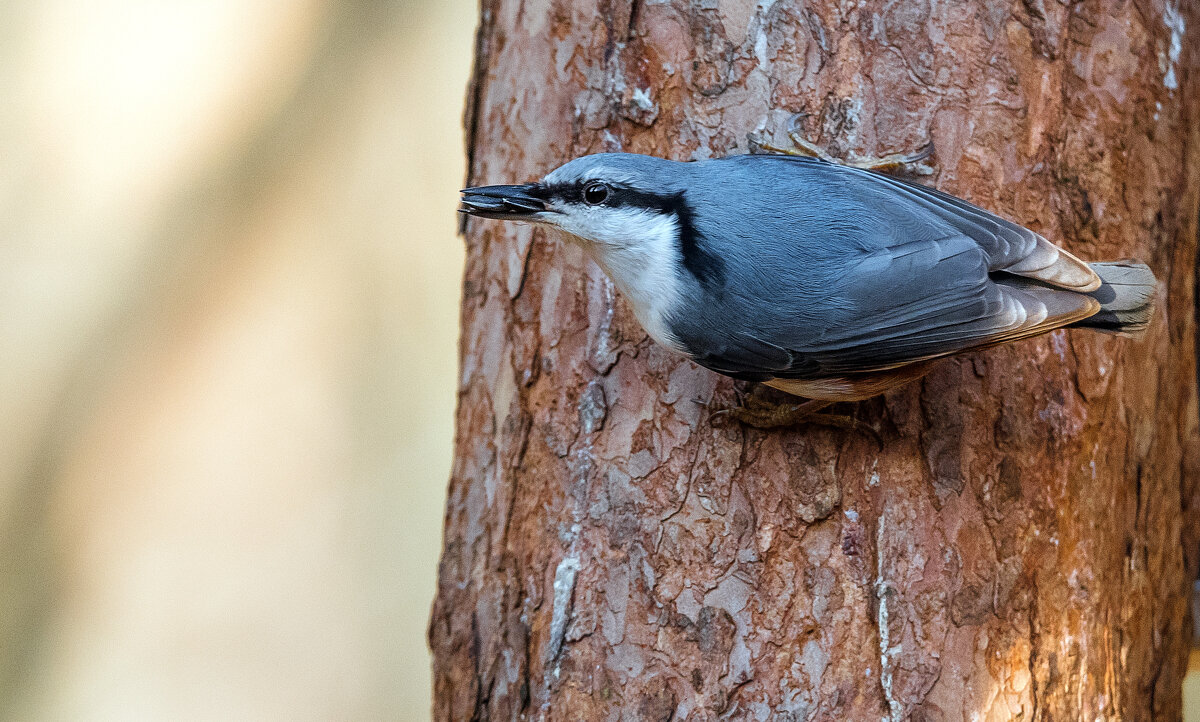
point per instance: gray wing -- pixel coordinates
(1010, 248)
(991, 282)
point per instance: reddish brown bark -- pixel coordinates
(1019, 546)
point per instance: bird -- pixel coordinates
(826, 280)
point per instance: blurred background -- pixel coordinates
(229, 285)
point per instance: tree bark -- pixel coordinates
(1021, 543)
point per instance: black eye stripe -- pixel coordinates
(618, 196)
(639, 199)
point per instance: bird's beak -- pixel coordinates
(514, 203)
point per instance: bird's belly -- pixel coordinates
(852, 387)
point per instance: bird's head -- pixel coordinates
(609, 201)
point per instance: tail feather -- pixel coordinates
(1126, 297)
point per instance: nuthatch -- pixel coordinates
(827, 281)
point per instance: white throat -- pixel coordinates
(640, 253)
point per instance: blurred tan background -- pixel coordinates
(228, 302)
(228, 308)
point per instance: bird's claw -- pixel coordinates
(909, 163)
(762, 414)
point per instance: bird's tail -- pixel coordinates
(1126, 297)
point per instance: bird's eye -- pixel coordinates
(595, 193)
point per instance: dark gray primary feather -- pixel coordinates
(843, 271)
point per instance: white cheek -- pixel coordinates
(605, 226)
(615, 226)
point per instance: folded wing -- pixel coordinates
(990, 282)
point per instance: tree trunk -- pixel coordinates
(1022, 542)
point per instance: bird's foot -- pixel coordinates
(800, 146)
(762, 414)
(909, 163)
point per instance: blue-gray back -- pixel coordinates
(830, 269)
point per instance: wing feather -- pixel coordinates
(900, 301)
(895, 318)
(1011, 247)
